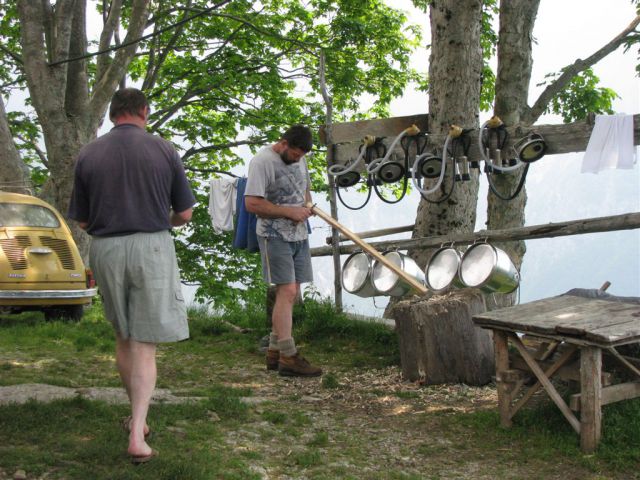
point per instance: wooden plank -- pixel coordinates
(600, 321)
(600, 318)
(549, 372)
(568, 373)
(354, 132)
(627, 221)
(501, 347)
(611, 394)
(565, 138)
(590, 399)
(535, 317)
(624, 361)
(546, 383)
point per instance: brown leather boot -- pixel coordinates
(272, 358)
(297, 366)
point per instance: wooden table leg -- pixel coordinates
(590, 398)
(502, 364)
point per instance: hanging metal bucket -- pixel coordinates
(356, 275)
(488, 268)
(441, 272)
(387, 282)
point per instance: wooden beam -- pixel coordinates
(627, 221)
(563, 138)
(549, 372)
(591, 398)
(546, 383)
(501, 349)
(611, 394)
(567, 373)
(354, 132)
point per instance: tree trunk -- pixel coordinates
(68, 113)
(455, 70)
(446, 344)
(439, 343)
(517, 19)
(14, 175)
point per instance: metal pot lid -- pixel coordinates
(384, 279)
(442, 268)
(355, 272)
(477, 264)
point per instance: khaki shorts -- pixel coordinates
(139, 281)
(285, 262)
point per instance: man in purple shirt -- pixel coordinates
(129, 190)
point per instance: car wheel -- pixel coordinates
(71, 312)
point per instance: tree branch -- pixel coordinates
(111, 23)
(16, 58)
(150, 79)
(41, 154)
(106, 85)
(212, 148)
(574, 69)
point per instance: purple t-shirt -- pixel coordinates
(126, 182)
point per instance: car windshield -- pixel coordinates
(25, 215)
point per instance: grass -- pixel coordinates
(294, 428)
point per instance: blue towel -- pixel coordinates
(245, 233)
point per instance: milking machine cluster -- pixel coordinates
(428, 170)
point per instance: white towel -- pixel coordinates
(610, 144)
(222, 204)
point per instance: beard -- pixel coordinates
(285, 157)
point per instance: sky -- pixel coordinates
(557, 191)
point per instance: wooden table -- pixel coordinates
(586, 325)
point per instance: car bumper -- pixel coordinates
(47, 294)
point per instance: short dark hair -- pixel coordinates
(299, 136)
(127, 101)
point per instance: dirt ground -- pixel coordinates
(376, 422)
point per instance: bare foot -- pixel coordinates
(138, 448)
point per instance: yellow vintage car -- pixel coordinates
(40, 265)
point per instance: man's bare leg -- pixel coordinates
(282, 317)
(137, 366)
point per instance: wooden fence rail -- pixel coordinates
(627, 221)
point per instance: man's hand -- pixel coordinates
(298, 214)
(178, 219)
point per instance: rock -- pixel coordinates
(20, 475)
(258, 470)
(254, 400)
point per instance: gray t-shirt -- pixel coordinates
(281, 184)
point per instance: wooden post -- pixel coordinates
(337, 273)
(501, 347)
(590, 398)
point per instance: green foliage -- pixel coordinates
(581, 97)
(489, 44)
(242, 74)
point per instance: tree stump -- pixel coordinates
(439, 343)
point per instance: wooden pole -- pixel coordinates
(417, 286)
(337, 273)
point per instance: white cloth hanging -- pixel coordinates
(222, 204)
(610, 144)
